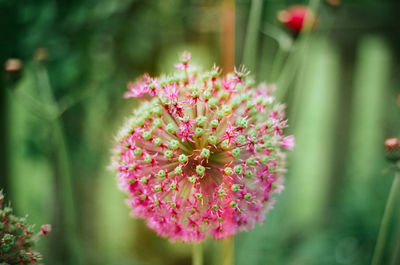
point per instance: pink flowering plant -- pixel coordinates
(17, 238)
(203, 154)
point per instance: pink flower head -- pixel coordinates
(203, 168)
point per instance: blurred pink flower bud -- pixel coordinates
(297, 18)
(46, 229)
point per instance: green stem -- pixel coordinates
(64, 169)
(277, 64)
(387, 216)
(197, 254)
(253, 26)
(293, 63)
(228, 251)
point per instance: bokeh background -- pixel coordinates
(59, 112)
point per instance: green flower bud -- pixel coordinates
(132, 167)
(174, 144)
(182, 158)
(161, 173)
(171, 128)
(235, 187)
(199, 132)
(228, 171)
(220, 114)
(157, 141)
(236, 152)
(207, 95)
(146, 135)
(172, 186)
(221, 192)
(148, 159)
(227, 109)
(251, 161)
(213, 103)
(212, 139)
(238, 169)
(201, 121)
(168, 154)
(226, 144)
(264, 159)
(178, 170)
(214, 123)
(200, 170)
(192, 179)
(143, 180)
(241, 138)
(248, 174)
(157, 123)
(205, 153)
(137, 151)
(157, 110)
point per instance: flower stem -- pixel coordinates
(64, 168)
(197, 254)
(253, 29)
(228, 251)
(387, 216)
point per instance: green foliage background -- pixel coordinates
(340, 83)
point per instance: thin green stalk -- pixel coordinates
(66, 187)
(197, 254)
(291, 67)
(396, 250)
(387, 216)
(253, 27)
(228, 251)
(277, 64)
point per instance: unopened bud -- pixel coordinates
(46, 229)
(392, 150)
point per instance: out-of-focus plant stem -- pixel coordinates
(277, 64)
(387, 216)
(197, 256)
(64, 171)
(285, 77)
(228, 248)
(253, 28)
(228, 35)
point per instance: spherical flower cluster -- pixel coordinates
(17, 238)
(202, 154)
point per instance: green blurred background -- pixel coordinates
(59, 113)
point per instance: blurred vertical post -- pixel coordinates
(228, 62)
(228, 35)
